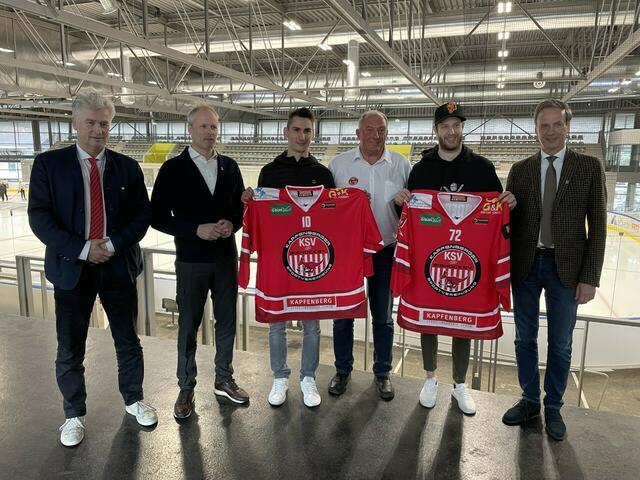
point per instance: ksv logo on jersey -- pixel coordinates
(308, 255)
(279, 209)
(452, 270)
(353, 181)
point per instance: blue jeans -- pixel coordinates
(561, 319)
(381, 305)
(310, 349)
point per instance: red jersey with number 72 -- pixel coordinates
(451, 265)
(314, 249)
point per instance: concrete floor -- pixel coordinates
(355, 436)
(621, 389)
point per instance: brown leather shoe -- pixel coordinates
(231, 391)
(184, 404)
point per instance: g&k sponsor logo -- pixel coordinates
(338, 193)
(492, 206)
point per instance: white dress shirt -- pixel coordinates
(544, 165)
(208, 167)
(381, 181)
(85, 167)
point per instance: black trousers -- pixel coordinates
(73, 311)
(194, 282)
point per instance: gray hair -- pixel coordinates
(553, 103)
(369, 113)
(93, 100)
(199, 108)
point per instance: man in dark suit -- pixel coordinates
(202, 223)
(90, 207)
(557, 190)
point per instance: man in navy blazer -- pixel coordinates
(90, 207)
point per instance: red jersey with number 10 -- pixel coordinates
(451, 265)
(314, 249)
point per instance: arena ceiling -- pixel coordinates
(157, 58)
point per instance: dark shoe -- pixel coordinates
(385, 389)
(338, 384)
(554, 424)
(521, 412)
(231, 391)
(184, 404)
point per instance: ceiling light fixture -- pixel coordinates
(324, 46)
(5, 50)
(292, 25)
(500, 85)
(109, 6)
(625, 81)
(113, 74)
(504, 35)
(365, 74)
(504, 7)
(503, 53)
(152, 82)
(347, 62)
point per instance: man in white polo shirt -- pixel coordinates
(381, 173)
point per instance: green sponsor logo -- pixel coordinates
(432, 219)
(280, 209)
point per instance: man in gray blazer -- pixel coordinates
(557, 190)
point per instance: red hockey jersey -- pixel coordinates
(314, 249)
(451, 265)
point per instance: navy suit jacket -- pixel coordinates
(57, 214)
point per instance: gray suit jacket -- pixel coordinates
(581, 196)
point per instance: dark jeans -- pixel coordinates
(381, 305)
(460, 348)
(194, 281)
(73, 311)
(561, 318)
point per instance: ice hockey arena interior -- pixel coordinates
(252, 63)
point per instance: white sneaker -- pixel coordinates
(463, 397)
(429, 393)
(145, 414)
(278, 393)
(310, 394)
(72, 431)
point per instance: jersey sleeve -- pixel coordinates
(401, 272)
(503, 262)
(249, 232)
(372, 238)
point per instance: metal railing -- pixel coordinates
(25, 266)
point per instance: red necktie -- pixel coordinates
(96, 227)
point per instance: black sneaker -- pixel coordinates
(521, 412)
(554, 424)
(338, 384)
(231, 391)
(385, 389)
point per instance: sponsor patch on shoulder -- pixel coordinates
(328, 205)
(480, 220)
(421, 200)
(265, 193)
(338, 193)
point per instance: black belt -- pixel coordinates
(545, 251)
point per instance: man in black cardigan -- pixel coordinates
(203, 222)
